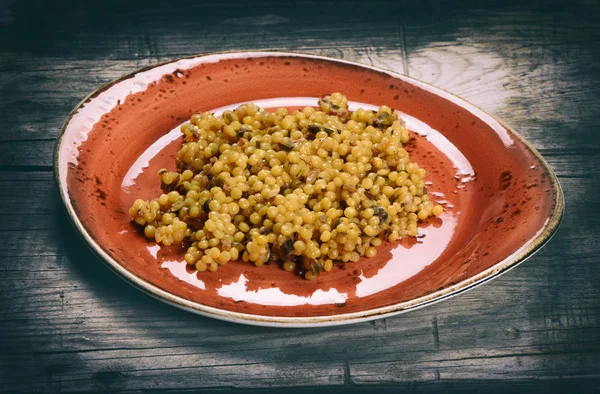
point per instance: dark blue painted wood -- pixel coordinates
(67, 324)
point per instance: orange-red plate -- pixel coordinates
(502, 201)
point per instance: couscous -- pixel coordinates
(306, 189)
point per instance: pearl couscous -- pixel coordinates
(308, 189)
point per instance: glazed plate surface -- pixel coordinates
(502, 201)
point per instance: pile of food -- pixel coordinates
(307, 189)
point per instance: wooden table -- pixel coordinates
(67, 324)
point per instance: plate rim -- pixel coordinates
(526, 250)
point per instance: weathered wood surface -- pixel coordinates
(67, 324)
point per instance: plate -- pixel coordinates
(502, 200)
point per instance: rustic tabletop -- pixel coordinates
(68, 324)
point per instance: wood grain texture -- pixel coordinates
(68, 324)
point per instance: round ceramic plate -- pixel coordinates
(502, 201)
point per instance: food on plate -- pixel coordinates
(306, 189)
